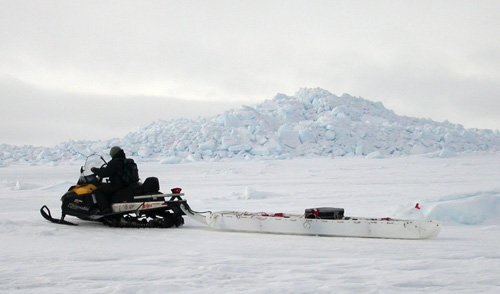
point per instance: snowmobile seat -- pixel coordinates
(151, 186)
(136, 188)
(123, 195)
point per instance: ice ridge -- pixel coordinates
(312, 123)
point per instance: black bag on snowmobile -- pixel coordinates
(130, 172)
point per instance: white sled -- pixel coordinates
(296, 224)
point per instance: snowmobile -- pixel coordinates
(139, 205)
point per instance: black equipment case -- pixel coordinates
(325, 213)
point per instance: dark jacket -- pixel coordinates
(113, 170)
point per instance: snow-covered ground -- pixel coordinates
(37, 256)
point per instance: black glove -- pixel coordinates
(94, 169)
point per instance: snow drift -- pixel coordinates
(468, 209)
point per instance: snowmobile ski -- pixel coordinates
(45, 211)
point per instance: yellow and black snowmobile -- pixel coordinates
(139, 205)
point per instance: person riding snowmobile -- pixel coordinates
(114, 171)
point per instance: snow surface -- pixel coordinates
(312, 123)
(463, 191)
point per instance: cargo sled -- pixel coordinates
(324, 221)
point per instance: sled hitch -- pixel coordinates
(45, 212)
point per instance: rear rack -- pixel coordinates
(173, 196)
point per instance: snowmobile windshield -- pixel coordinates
(87, 177)
(92, 161)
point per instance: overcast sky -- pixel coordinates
(98, 69)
